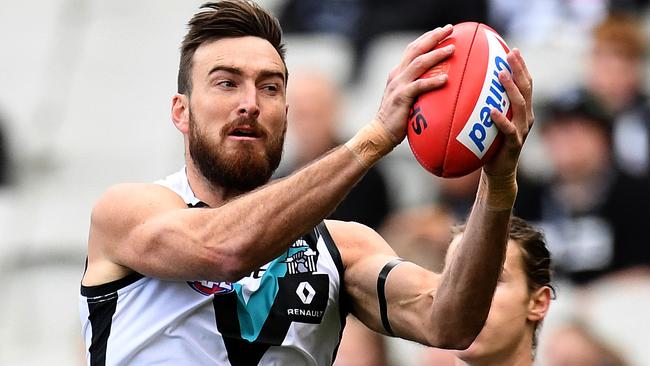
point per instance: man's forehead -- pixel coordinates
(250, 53)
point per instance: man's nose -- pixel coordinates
(248, 105)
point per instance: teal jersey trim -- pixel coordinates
(253, 314)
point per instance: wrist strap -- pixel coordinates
(371, 143)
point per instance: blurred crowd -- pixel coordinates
(585, 180)
(590, 194)
(4, 156)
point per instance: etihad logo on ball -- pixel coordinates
(479, 131)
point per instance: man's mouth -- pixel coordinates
(244, 132)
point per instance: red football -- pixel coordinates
(450, 131)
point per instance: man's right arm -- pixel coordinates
(147, 228)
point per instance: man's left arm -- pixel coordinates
(445, 310)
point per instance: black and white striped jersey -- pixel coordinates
(291, 311)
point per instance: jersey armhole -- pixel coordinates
(110, 287)
(344, 299)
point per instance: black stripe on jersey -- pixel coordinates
(344, 298)
(312, 239)
(100, 314)
(321, 229)
(110, 287)
(242, 352)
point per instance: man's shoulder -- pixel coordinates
(119, 210)
(126, 199)
(356, 240)
(348, 230)
(138, 192)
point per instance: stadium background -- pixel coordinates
(85, 90)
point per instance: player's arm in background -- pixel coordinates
(445, 310)
(148, 229)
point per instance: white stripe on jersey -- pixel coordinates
(175, 323)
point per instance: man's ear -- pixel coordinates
(181, 112)
(539, 303)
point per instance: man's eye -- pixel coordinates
(271, 88)
(226, 84)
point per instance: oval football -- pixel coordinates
(449, 129)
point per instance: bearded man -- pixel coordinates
(213, 265)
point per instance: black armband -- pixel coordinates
(381, 284)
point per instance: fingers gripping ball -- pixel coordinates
(450, 131)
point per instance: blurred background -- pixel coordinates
(85, 97)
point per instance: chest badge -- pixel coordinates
(208, 288)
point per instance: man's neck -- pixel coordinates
(204, 190)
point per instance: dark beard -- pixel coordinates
(243, 170)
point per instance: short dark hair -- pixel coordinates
(535, 257)
(226, 19)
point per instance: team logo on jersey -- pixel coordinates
(303, 260)
(208, 288)
(306, 304)
(260, 311)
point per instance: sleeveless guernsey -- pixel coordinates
(291, 311)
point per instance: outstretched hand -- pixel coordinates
(519, 87)
(404, 85)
